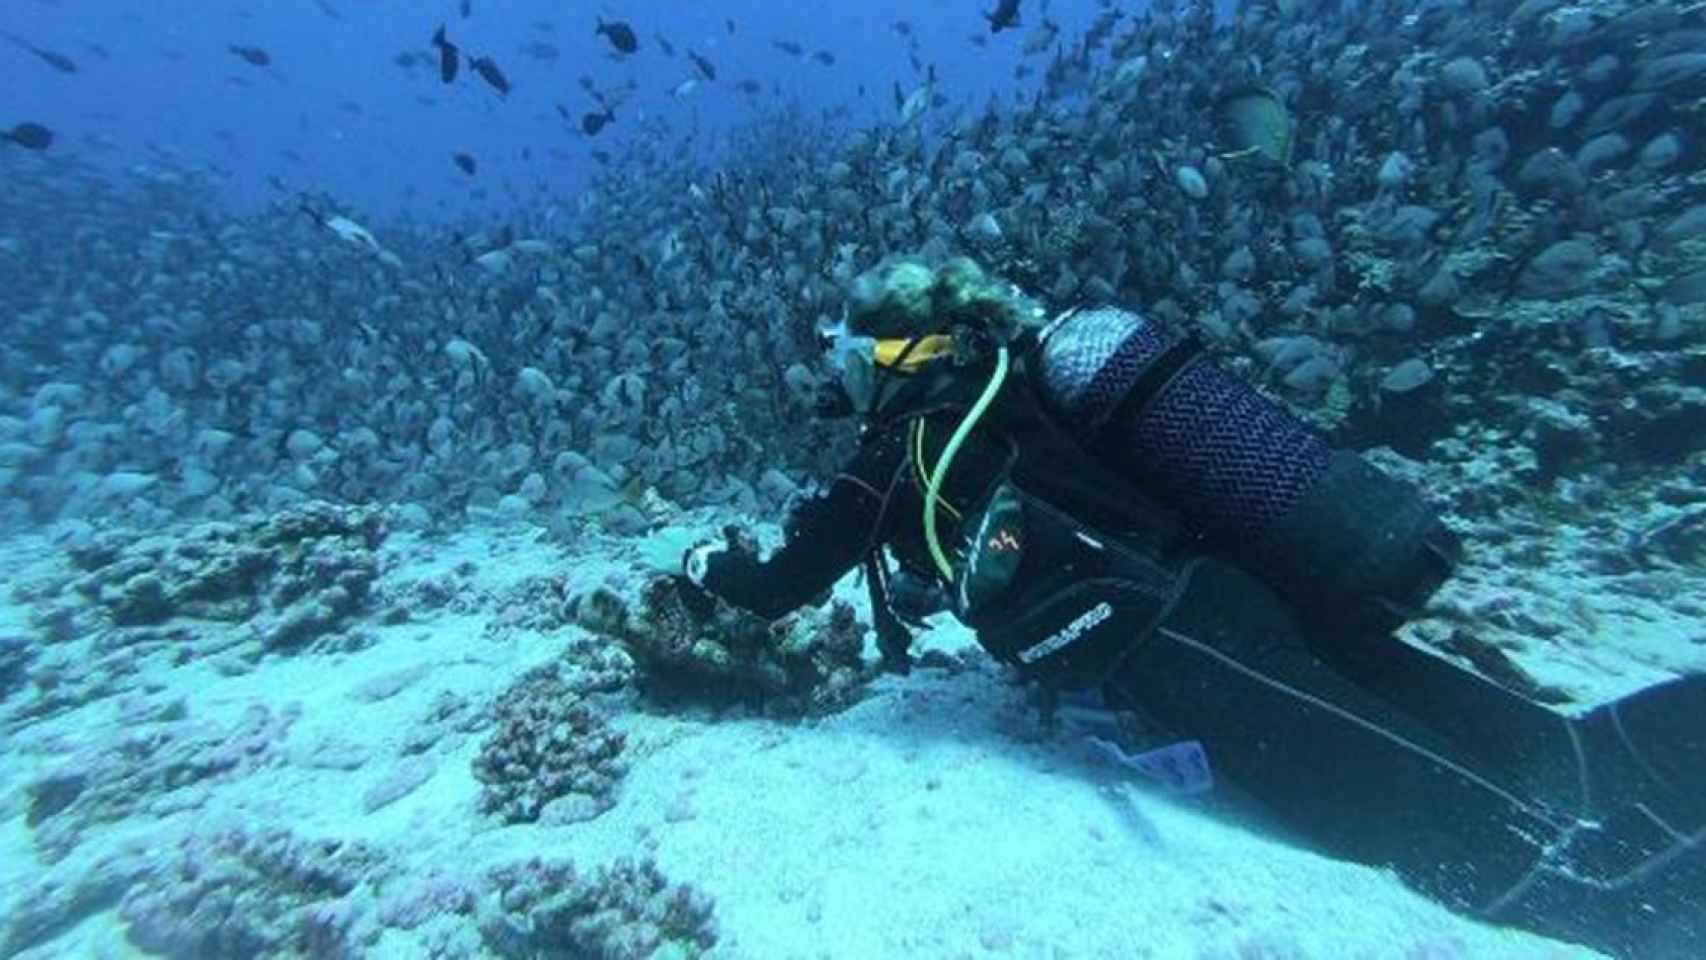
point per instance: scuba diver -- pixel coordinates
(1110, 511)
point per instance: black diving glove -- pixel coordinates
(830, 402)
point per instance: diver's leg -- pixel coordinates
(1365, 780)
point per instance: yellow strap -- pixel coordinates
(926, 350)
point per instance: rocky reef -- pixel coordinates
(689, 645)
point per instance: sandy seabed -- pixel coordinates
(931, 819)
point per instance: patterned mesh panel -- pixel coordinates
(1229, 458)
(1090, 361)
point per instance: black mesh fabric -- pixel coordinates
(1227, 457)
(1124, 367)
(1093, 358)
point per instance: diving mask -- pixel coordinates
(863, 363)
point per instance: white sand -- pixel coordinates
(926, 821)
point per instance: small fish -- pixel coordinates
(620, 35)
(494, 261)
(1004, 16)
(540, 50)
(464, 162)
(594, 122)
(253, 55)
(749, 86)
(685, 88)
(824, 57)
(902, 27)
(664, 45)
(407, 59)
(912, 106)
(467, 8)
(705, 66)
(788, 47)
(731, 25)
(449, 56)
(1040, 38)
(52, 58)
(30, 136)
(353, 234)
(489, 72)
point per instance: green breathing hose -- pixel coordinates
(933, 492)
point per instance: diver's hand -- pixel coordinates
(830, 402)
(666, 550)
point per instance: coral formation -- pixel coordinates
(687, 643)
(551, 752)
(240, 894)
(626, 911)
(152, 767)
(296, 577)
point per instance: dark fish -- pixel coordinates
(664, 45)
(824, 57)
(902, 27)
(1005, 16)
(449, 55)
(592, 123)
(620, 35)
(731, 25)
(254, 55)
(467, 9)
(788, 47)
(704, 65)
(489, 72)
(30, 136)
(601, 156)
(52, 58)
(748, 86)
(328, 9)
(465, 163)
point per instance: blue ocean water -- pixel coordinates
(379, 379)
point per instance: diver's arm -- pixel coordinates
(831, 534)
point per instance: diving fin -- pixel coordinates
(1630, 876)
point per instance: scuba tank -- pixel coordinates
(1345, 543)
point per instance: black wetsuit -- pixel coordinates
(1587, 828)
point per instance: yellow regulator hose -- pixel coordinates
(933, 492)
